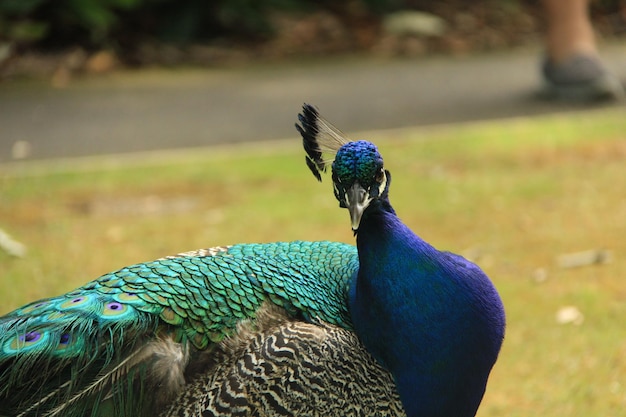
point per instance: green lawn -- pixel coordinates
(514, 194)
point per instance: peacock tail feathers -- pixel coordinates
(117, 334)
(65, 349)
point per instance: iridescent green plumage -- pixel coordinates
(206, 295)
(69, 351)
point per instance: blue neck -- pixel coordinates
(432, 318)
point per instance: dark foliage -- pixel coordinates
(121, 25)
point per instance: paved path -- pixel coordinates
(149, 110)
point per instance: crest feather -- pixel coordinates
(321, 140)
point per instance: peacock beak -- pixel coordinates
(358, 200)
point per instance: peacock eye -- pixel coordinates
(380, 175)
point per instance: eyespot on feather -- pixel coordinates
(25, 341)
(114, 309)
(34, 307)
(76, 302)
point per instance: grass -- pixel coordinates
(515, 194)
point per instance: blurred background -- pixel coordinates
(84, 77)
(135, 129)
(39, 36)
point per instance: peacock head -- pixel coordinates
(359, 177)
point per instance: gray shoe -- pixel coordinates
(581, 78)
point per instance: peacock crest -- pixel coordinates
(320, 139)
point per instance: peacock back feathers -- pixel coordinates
(279, 366)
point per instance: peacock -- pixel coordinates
(433, 319)
(287, 328)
